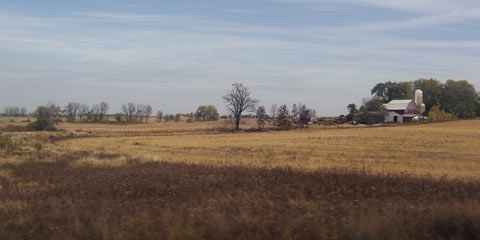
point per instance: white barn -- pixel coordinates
(401, 111)
(405, 110)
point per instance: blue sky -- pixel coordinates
(176, 55)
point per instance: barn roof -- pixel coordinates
(398, 104)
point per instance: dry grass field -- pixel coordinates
(450, 149)
(124, 182)
(151, 128)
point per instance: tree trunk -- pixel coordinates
(237, 123)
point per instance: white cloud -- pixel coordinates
(197, 63)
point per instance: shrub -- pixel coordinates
(118, 117)
(50, 128)
(7, 144)
(437, 115)
(38, 125)
(40, 141)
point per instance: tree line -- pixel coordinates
(14, 111)
(458, 98)
(238, 100)
(50, 114)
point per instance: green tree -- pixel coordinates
(352, 110)
(206, 113)
(478, 105)
(389, 91)
(374, 104)
(212, 113)
(46, 117)
(459, 98)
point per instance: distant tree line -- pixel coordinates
(73, 111)
(299, 116)
(14, 111)
(136, 113)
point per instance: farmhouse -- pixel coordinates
(405, 110)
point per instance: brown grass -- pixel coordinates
(443, 149)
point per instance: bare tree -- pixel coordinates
(159, 116)
(148, 112)
(304, 114)
(129, 111)
(94, 113)
(83, 111)
(273, 111)
(295, 111)
(103, 107)
(71, 111)
(141, 109)
(238, 100)
(23, 112)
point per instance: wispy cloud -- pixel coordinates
(243, 11)
(159, 57)
(428, 6)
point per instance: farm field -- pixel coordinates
(448, 149)
(119, 182)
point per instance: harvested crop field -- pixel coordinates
(398, 182)
(448, 149)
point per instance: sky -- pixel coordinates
(177, 55)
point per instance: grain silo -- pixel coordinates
(419, 100)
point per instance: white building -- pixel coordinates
(405, 110)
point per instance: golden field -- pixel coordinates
(150, 128)
(449, 149)
(202, 181)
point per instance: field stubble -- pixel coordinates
(448, 149)
(368, 183)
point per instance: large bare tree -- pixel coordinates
(238, 100)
